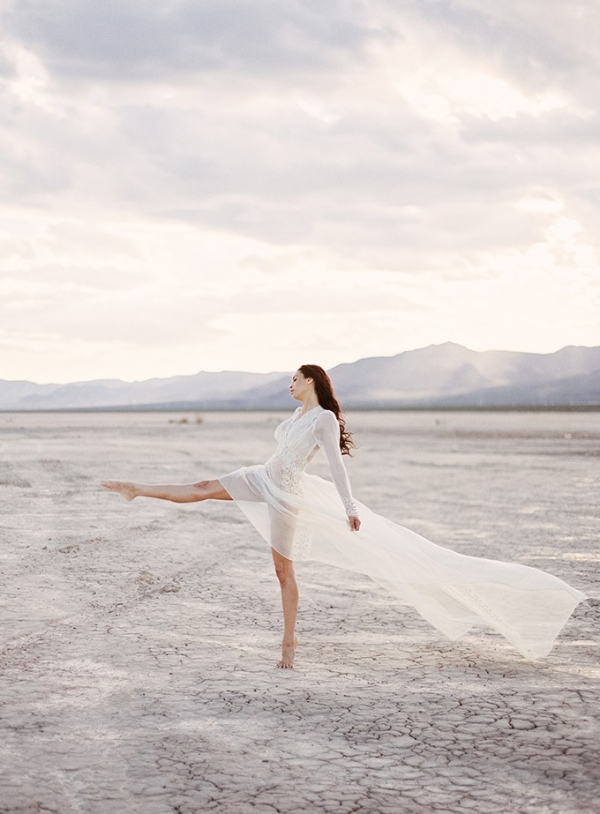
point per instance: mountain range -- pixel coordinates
(437, 376)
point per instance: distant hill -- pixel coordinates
(447, 375)
(451, 375)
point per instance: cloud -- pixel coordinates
(537, 47)
(127, 40)
(196, 164)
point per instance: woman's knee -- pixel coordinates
(202, 489)
(210, 490)
(284, 568)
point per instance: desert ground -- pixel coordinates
(139, 640)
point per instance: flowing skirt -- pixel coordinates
(453, 591)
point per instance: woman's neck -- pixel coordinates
(309, 403)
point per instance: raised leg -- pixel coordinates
(177, 493)
(284, 569)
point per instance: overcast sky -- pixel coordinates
(254, 184)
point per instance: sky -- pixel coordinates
(193, 185)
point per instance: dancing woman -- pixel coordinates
(303, 516)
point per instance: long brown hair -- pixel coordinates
(328, 401)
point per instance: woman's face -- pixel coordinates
(300, 386)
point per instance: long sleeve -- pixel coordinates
(327, 435)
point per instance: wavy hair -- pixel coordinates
(328, 401)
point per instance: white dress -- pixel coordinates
(302, 517)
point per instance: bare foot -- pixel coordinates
(126, 490)
(288, 651)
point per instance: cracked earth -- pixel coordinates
(139, 640)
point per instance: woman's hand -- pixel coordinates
(354, 523)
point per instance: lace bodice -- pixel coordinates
(298, 438)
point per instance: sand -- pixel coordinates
(139, 639)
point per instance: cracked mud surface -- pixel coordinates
(139, 640)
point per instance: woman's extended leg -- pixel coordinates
(284, 569)
(177, 493)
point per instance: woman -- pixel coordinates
(302, 517)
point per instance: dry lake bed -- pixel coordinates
(139, 639)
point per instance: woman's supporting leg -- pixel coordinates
(284, 569)
(177, 493)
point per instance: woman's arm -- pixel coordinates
(327, 436)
